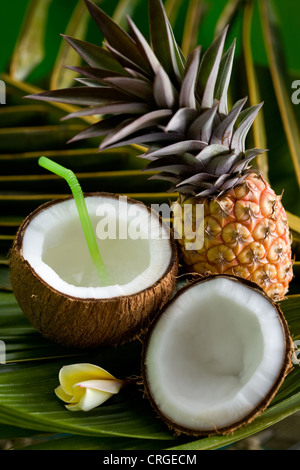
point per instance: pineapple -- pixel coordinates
(150, 94)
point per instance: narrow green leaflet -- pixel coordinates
(123, 181)
(34, 137)
(19, 89)
(123, 9)
(30, 50)
(4, 275)
(192, 26)
(294, 222)
(13, 116)
(30, 375)
(28, 405)
(61, 77)
(259, 130)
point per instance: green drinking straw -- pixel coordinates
(74, 185)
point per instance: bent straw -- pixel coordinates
(74, 185)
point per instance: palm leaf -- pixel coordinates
(29, 49)
(61, 77)
(123, 9)
(227, 15)
(31, 360)
(279, 74)
(254, 93)
(192, 22)
(29, 130)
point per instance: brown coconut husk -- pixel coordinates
(264, 403)
(82, 323)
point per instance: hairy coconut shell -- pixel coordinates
(78, 322)
(285, 368)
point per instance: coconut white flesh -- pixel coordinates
(136, 249)
(214, 354)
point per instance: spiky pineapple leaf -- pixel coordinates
(202, 127)
(152, 118)
(122, 107)
(187, 98)
(144, 46)
(223, 79)
(182, 121)
(208, 70)
(136, 87)
(95, 56)
(178, 148)
(246, 119)
(224, 131)
(83, 96)
(164, 92)
(100, 128)
(116, 36)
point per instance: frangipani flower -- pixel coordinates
(86, 386)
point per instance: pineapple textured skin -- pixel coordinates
(246, 234)
(147, 93)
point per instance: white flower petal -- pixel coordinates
(110, 386)
(92, 398)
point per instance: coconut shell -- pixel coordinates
(285, 369)
(85, 323)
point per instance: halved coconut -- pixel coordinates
(57, 285)
(215, 356)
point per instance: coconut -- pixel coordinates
(215, 356)
(57, 285)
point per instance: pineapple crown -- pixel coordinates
(150, 94)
